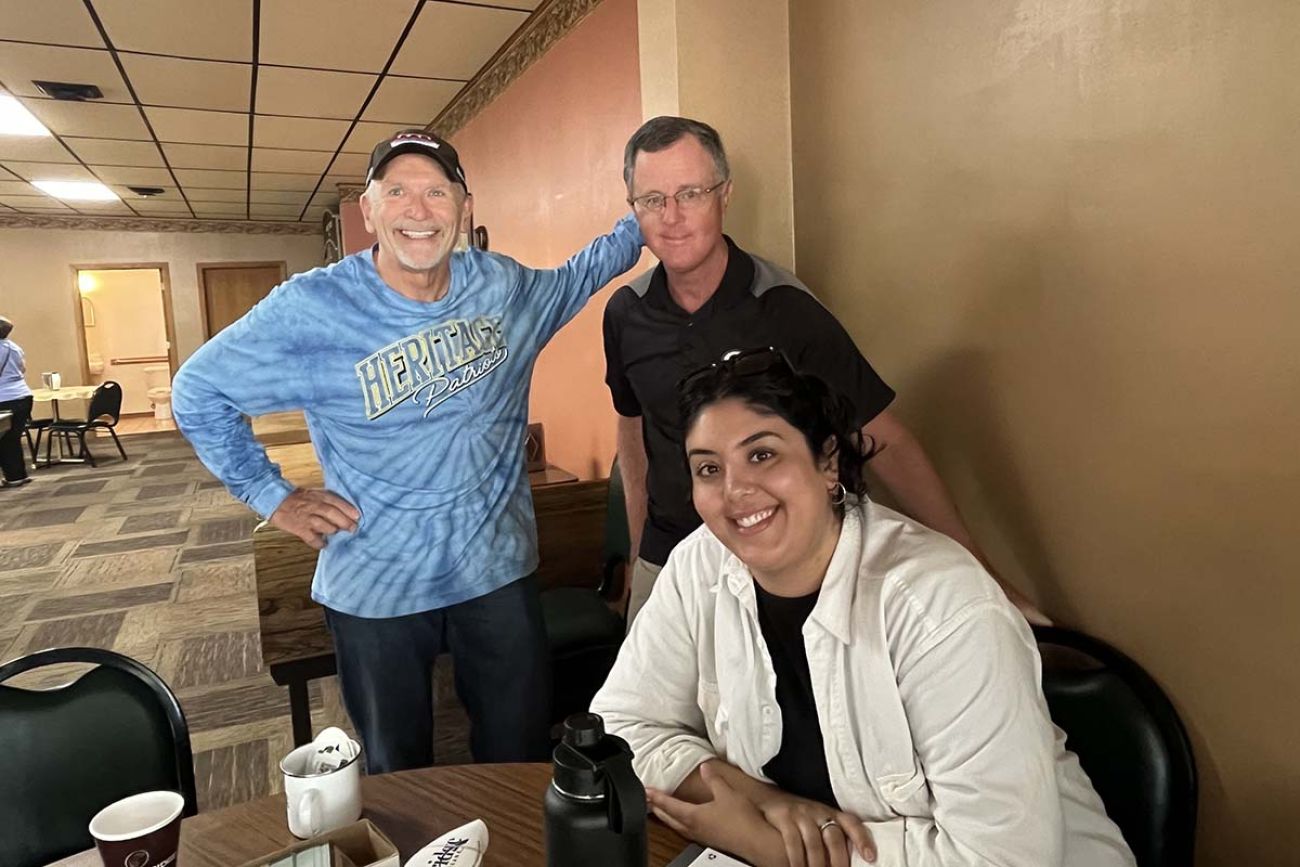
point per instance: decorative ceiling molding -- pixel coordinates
(552, 20)
(141, 224)
(350, 192)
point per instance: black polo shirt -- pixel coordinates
(651, 343)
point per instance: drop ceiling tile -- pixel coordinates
(60, 210)
(218, 209)
(284, 181)
(333, 34)
(366, 135)
(200, 127)
(215, 179)
(112, 152)
(305, 162)
(189, 83)
(93, 119)
(210, 196)
(45, 149)
(199, 156)
(350, 164)
(14, 187)
(156, 208)
(275, 210)
(20, 64)
(48, 171)
(103, 208)
(278, 197)
(218, 31)
(265, 219)
(146, 177)
(454, 41)
(325, 198)
(309, 133)
(410, 102)
(63, 21)
(311, 92)
(36, 201)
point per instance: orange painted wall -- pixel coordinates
(544, 162)
(355, 235)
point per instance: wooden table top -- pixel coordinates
(412, 808)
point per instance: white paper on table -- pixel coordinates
(714, 858)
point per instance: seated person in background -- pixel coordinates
(816, 675)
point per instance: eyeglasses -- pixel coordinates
(741, 362)
(689, 199)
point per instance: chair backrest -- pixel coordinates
(1129, 740)
(68, 752)
(106, 401)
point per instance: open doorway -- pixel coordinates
(127, 337)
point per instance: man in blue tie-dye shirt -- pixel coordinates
(412, 363)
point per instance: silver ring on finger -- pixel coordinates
(827, 824)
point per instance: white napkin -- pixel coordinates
(334, 749)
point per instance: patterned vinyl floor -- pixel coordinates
(152, 558)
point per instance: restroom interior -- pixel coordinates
(124, 328)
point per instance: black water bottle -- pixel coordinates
(595, 805)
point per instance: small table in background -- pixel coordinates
(53, 396)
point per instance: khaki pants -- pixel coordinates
(643, 581)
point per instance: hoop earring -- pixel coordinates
(838, 494)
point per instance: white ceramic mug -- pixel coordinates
(317, 803)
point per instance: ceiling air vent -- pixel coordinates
(146, 192)
(67, 90)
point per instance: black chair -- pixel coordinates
(39, 425)
(105, 409)
(68, 752)
(1129, 740)
(585, 633)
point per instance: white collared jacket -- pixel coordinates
(927, 685)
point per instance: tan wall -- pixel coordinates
(544, 162)
(1066, 232)
(726, 62)
(37, 281)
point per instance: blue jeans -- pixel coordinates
(503, 677)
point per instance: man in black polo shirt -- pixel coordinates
(707, 297)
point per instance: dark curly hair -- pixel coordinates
(803, 400)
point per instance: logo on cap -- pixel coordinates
(413, 137)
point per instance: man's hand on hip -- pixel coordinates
(313, 515)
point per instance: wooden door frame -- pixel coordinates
(202, 269)
(169, 323)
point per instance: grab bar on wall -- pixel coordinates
(139, 359)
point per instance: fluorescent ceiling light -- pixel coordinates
(15, 119)
(77, 191)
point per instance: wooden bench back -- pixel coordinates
(571, 536)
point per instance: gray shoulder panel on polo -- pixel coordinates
(641, 285)
(768, 276)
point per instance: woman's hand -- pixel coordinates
(729, 821)
(809, 829)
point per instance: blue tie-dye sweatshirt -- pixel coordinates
(417, 411)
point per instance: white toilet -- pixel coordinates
(158, 381)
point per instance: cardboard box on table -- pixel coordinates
(360, 844)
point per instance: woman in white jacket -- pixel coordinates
(817, 679)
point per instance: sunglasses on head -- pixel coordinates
(741, 362)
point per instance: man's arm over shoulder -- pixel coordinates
(252, 367)
(558, 294)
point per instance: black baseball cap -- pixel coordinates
(417, 141)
